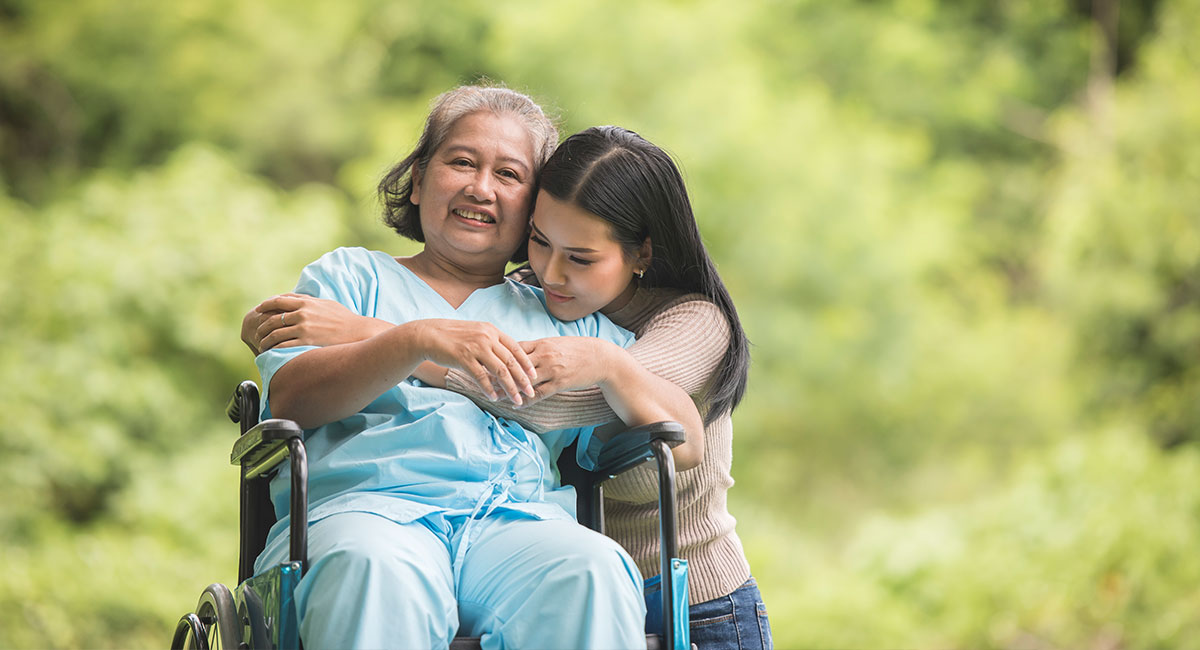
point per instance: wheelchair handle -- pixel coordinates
(261, 447)
(667, 533)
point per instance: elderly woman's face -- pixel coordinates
(476, 192)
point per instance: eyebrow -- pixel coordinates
(512, 160)
(576, 249)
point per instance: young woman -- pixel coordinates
(428, 515)
(613, 230)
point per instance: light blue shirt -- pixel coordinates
(417, 450)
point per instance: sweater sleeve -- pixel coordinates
(682, 344)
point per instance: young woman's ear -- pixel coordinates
(645, 255)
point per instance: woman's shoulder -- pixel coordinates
(657, 301)
(354, 269)
(678, 315)
(352, 256)
(676, 297)
(357, 257)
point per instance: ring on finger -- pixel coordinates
(283, 318)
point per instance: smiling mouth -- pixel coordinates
(473, 216)
(557, 297)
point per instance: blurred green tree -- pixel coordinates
(957, 254)
(1124, 252)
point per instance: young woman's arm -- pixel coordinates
(682, 344)
(296, 319)
(636, 395)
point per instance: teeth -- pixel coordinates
(474, 216)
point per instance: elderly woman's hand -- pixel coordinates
(489, 355)
(294, 319)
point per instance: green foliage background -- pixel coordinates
(967, 251)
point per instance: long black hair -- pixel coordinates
(634, 185)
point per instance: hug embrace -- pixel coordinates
(436, 394)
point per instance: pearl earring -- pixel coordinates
(640, 273)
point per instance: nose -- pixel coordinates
(482, 187)
(553, 275)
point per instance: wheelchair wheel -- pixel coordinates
(254, 622)
(214, 625)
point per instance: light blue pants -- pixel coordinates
(517, 583)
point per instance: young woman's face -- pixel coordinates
(581, 267)
(475, 193)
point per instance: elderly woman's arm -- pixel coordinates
(293, 319)
(326, 384)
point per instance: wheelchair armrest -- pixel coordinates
(258, 451)
(264, 446)
(632, 447)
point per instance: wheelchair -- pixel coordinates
(260, 613)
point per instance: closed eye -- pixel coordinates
(533, 237)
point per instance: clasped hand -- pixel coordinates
(481, 350)
(527, 371)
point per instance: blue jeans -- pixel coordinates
(737, 621)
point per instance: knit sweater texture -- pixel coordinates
(681, 338)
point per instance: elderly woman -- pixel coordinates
(429, 515)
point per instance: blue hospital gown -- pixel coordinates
(418, 450)
(428, 455)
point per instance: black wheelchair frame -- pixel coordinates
(258, 615)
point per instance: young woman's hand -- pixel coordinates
(636, 395)
(490, 356)
(569, 363)
(294, 319)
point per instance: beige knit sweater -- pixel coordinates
(681, 338)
